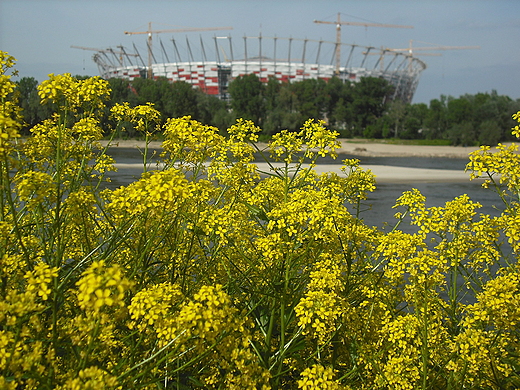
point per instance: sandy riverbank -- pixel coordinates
(373, 149)
(383, 173)
(356, 148)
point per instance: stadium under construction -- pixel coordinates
(211, 64)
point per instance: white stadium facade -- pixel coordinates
(212, 64)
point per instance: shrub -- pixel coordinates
(209, 273)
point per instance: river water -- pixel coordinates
(378, 209)
(379, 204)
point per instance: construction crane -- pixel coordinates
(411, 49)
(109, 50)
(340, 23)
(150, 32)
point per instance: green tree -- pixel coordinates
(213, 111)
(33, 112)
(247, 98)
(396, 115)
(489, 133)
(459, 110)
(338, 95)
(463, 133)
(181, 100)
(436, 122)
(271, 92)
(413, 124)
(122, 91)
(288, 113)
(274, 112)
(370, 97)
(310, 98)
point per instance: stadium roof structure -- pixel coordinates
(212, 64)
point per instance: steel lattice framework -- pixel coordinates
(211, 66)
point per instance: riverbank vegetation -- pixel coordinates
(206, 273)
(355, 110)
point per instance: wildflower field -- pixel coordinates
(206, 273)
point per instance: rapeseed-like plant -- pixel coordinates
(209, 273)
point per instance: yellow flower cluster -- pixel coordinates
(400, 369)
(321, 307)
(202, 320)
(91, 378)
(6, 62)
(516, 130)
(231, 163)
(472, 350)
(40, 148)
(207, 315)
(510, 221)
(358, 183)
(6, 338)
(88, 129)
(154, 306)
(498, 304)
(319, 139)
(313, 139)
(104, 163)
(158, 192)
(503, 162)
(207, 322)
(188, 143)
(143, 117)
(412, 200)
(222, 224)
(7, 384)
(70, 93)
(10, 264)
(39, 279)
(397, 247)
(205, 274)
(486, 234)
(244, 130)
(34, 187)
(102, 286)
(284, 145)
(318, 377)
(10, 116)
(22, 352)
(307, 210)
(456, 215)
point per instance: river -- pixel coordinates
(378, 207)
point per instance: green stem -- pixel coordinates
(145, 154)
(6, 187)
(425, 350)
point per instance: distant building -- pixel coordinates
(214, 75)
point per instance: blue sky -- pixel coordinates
(39, 33)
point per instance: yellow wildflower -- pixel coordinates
(318, 377)
(101, 286)
(39, 279)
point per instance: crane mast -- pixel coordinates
(340, 23)
(150, 32)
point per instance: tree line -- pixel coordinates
(364, 109)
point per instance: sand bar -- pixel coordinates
(356, 148)
(383, 173)
(373, 149)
